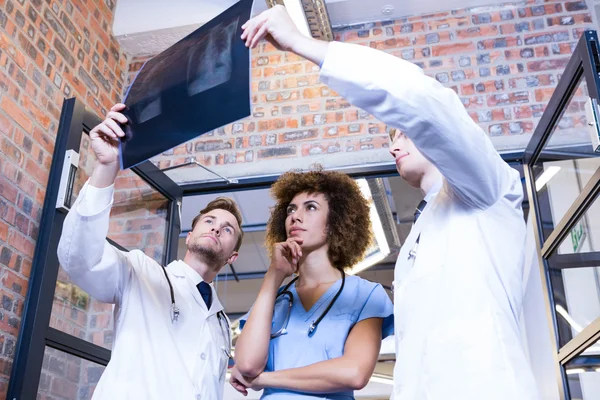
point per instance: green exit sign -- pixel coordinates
(577, 236)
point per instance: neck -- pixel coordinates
(429, 180)
(206, 271)
(315, 268)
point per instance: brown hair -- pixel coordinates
(227, 204)
(348, 223)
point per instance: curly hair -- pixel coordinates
(349, 231)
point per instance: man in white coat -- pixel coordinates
(458, 279)
(172, 339)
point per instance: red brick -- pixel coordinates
(43, 139)
(522, 112)
(8, 190)
(12, 110)
(449, 23)
(10, 171)
(391, 43)
(467, 89)
(26, 267)
(15, 283)
(499, 42)
(545, 65)
(438, 37)
(21, 243)
(36, 171)
(455, 48)
(6, 126)
(10, 150)
(571, 19)
(543, 95)
(3, 231)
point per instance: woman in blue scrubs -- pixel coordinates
(318, 336)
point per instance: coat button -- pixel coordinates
(203, 356)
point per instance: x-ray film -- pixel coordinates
(195, 86)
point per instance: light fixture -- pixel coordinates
(546, 176)
(574, 371)
(563, 313)
(381, 241)
(387, 380)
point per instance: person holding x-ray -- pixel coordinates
(172, 338)
(458, 287)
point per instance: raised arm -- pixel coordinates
(399, 94)
(252, 347)
(351, 371)
(93, 264)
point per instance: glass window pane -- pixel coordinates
(577, 290)
(583, 373)
(138, 219)
(67, 377)
(566, 163)
(585, 235)
(75, 312)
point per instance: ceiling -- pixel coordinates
(150, 26)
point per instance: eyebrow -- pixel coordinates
(305, 203)
(392, 134)
(226, 223)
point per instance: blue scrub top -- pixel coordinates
(360, 299)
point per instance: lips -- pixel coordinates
(211, 237)
(400, 157)
(296, 229)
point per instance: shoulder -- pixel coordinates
(142, 264)
(361, 290)
(357, 283)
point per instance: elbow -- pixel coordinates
(248, 368)
(358, 378)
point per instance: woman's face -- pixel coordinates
(307, 219)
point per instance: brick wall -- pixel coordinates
(504, 62)
(48, 50)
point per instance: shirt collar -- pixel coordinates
(435, 189)
(188, 271)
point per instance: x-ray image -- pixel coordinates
(195, 86)
(150, 105)
(209, 61)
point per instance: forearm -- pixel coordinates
(312, 49)
(104, 175)
(252, 347)
(328, 376)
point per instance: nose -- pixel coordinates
(296, 216)
(394, 148)
(216, 230)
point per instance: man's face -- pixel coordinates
(214, 238)
(410, 163)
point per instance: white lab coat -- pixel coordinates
(152, 358)
(457, 304)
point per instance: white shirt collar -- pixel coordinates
(435, 189)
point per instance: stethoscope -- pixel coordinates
(313, 326)
(223, 321)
